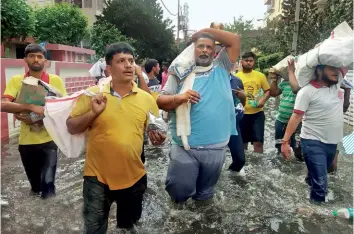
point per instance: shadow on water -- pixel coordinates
(273, 197)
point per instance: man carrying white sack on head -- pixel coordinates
(203, 115)
(319, 105)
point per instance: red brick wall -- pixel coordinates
(74, 84)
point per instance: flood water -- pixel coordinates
(273, 198)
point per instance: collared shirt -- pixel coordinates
(322, 107)
(12, 90)
(115, 138)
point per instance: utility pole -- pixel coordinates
(296, 28)
(178, 24)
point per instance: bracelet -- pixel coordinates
(284, 142)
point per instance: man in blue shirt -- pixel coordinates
(236, 144)
(194, 173)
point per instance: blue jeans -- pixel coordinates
(318, 157)
(237, 151)
(194, 173)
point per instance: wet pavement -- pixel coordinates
(273, 198)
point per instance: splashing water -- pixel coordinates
(273, 197)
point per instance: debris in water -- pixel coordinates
(275, 223)
(308, 211)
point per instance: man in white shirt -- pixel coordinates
(320, 107)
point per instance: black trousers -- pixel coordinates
(40, 163)
(98, 199)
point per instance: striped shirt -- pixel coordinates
(287, 102)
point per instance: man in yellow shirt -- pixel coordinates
(257, 93)
(38, 151)
(116, 119)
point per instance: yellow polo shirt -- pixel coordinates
(13, 88)
(115, 139)
(253, 83)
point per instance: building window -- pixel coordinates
(87, 3)
(77, 3)
(58, 1)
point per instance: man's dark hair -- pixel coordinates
(317, 69)
(150, 64)
(35, 48)
(206, 35)
(165, 64)
(118, 48)
(249, 54)
(189, 43)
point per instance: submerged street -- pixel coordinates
(273, 198)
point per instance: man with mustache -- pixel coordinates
(115, 119)
(319, 105)
(37, 150)
(194, 173)
(255, 83)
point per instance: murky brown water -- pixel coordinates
(265, 202)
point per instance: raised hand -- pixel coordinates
(98, 104)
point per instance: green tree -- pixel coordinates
(245, 29)
(17, 20)
(103, 34)
(143, 21)
(334, 13)
(310, 27)
(60, 23)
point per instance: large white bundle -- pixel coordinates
(336, 51)
(184, 64)
(281, 68)
(56, 112)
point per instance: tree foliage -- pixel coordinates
(103, 34)
(143, 21)
(17, 20)
(315, 24)
(244, 28)
(60, 23)
(334, 13)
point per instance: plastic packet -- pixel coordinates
(157, 123)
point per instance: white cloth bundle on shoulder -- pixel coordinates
(184, 69)
(336, 51)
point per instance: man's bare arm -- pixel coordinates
(274, 90)
(170, 102)
(346, 102)
(80, 123)
(11, 107)
(293, 83)
(292, 78)
(143, 84)
(292, 126)
(229, 40)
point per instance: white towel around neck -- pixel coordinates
(183, 122)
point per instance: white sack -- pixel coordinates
(56, 111)
(281, 68)
(336, 51)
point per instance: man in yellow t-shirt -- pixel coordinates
(38, 151)
(257, 93)
(116, 120)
